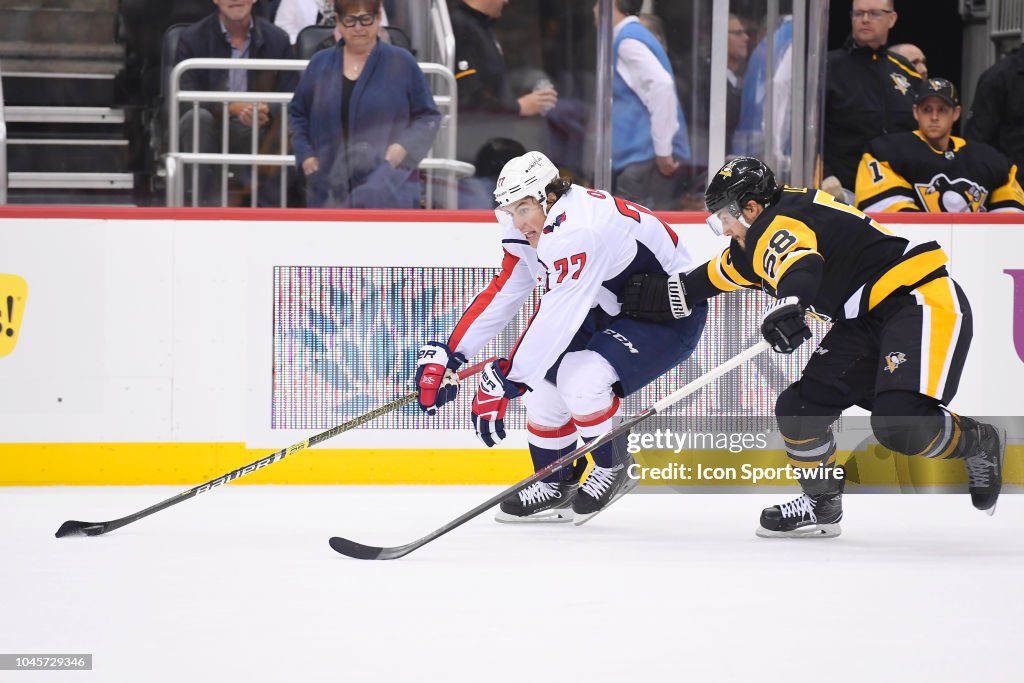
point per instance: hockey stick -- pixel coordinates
(369, 552)
(76, 528)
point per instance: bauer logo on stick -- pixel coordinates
(13, 295)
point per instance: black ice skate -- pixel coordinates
(984, 447)
(604, 486)
(541, 502)
(815, 514)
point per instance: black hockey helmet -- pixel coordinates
(739, 181)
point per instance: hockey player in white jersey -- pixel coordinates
(578, 357)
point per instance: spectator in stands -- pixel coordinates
(489, 106)
(868, 92)
(749, 137)
(234, 32)
(363, 118)
(480, 65)
(997, 113)
(737, 52)
(649, 136)
(931, 170)
(914, 55)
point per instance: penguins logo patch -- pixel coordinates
(893, 360)
(901, 83)
(943, 194)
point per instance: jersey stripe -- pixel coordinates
(568, 429)
(906, 273)
(483, 300)
(599, 417)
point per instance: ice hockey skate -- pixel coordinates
(985, 447)
(815, 514)
(602, 488)
(540, 502)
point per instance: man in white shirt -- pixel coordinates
(649, 135)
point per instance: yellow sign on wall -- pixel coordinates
(13, 295)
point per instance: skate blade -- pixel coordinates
(556, 516)
(580, 520)
(813, 531)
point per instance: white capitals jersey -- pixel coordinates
(591, 245)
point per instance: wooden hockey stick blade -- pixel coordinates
(76, 528)
(359, 551)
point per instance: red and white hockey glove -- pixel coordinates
(491, 402)
(436, 376)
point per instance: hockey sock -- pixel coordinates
(594, 425)
(914, 424)
(548, 444)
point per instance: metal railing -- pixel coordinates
(3, 146)
(443, 35)
(439, 167)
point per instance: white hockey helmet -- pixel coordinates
(525, 176)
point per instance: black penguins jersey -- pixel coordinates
(847, 262)
(902, 172)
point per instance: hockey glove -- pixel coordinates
(436, 378)
(783, 325)
(657, 298)
(491, 402)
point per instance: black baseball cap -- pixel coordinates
(938, 87)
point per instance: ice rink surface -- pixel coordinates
(240, 585)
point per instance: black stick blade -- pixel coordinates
(357, 550)
(75, 528)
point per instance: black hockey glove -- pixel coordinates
(783, 325)
(658, 298)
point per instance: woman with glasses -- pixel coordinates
(362, 118)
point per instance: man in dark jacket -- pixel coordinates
(487, 106)
(869, 92)
(233, 32)
(997, 114)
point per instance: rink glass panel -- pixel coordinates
(345, 342)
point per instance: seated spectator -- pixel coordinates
(913, 54)
(997, 113)
(931, 170)
(363, 118)
(234, 32)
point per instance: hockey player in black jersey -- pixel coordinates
(900, 334)
(930, 169)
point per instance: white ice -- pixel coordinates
(240, 585)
